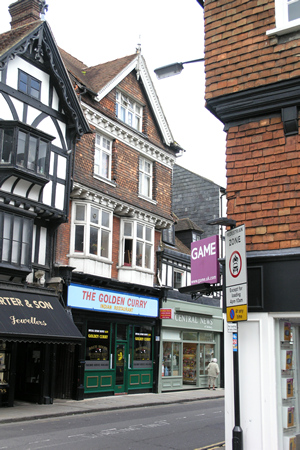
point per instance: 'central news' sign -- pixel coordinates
(205, 266)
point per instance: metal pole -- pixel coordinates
(237, 432)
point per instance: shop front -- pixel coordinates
(39, 348)
(190, 337)
(120, 334)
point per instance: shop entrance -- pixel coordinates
(121, 368)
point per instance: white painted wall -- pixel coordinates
(257, 375)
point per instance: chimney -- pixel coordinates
(23, 12)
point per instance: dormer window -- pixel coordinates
(129, 111)
(29, 85)
(24, 147)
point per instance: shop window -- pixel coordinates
(190, 335)
(207, 352)
(29, 85)
(142, 347)
(207, 336)
(102, 164)
(137, 245)
(170, 366)
(92, 230)
(98, 345)
(129, 111)
(189, 363)
(15, 239)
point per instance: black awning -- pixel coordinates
(25, 316)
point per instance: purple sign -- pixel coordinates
(205, 267)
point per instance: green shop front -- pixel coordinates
(190, 337)
(119, 328)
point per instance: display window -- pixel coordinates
(142, 349)
(98, 344)
(170, 366)
(189, 363)
(207, 352)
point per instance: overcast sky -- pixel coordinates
(97, 31)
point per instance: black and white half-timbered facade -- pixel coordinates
(40, 119)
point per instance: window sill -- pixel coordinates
(105, 180)
(279, 31)
(150, 200)
(136, 268)
(91, 257)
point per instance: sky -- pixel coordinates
(97, 31)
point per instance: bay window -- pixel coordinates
(25, 148)
(137, 244)
(92, 230)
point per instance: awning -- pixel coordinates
(35, 318)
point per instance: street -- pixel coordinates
(182, 426)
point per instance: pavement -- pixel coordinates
(23, 411)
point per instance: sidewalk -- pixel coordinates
(27, 411)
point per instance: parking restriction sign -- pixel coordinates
(236, 275)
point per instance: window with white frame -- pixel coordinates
(102, 164)
(287, 13)
(178, 278)
(196, 236)
(129, 111)
(145, 177)
(92, 230)
(137, 242)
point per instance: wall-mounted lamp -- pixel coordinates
(173, 69)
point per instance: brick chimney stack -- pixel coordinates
(23, 12)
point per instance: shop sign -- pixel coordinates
(166, 313)
(85, 297)
(206, 323)
(205, 266)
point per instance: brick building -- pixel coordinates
(120, 203)
(252, 85)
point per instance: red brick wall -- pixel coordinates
(263, 190)
(63, 243)
(238, 53)
(115, 247)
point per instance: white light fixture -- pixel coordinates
(173, 69)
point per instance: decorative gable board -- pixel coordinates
(56, 112)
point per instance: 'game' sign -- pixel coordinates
(205, 266)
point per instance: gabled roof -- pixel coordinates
(102, 78)
(17, 41)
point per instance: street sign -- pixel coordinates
(232, 327)
(236, 275)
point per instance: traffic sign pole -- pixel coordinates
(236, 310)
(237, 432)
